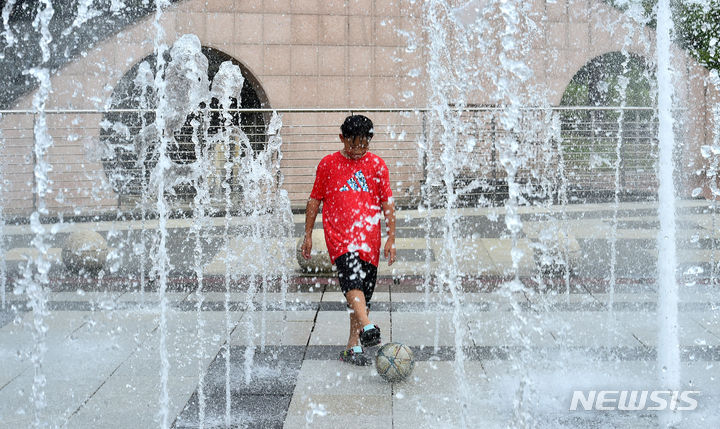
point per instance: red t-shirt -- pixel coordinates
(352, 192)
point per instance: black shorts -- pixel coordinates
(354, 273)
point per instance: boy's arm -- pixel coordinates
(311, 211)
(389, 252)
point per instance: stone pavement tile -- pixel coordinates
(324, 420)
(644, 326)
(417, 246)
(261, 411)
(9, 313)
(699, 329)
(494, 301)
(237, 302)
(560, 297)
(281, 316)
(708, 320)
(242, 306)
(640, 296)
(271, 297)
(430, 410)
(274, 370)
(553, 381)
(17, 344)
(424, 329)
(694, 329)
(643, 232)
(439, 378)
(570, 370)
(110, 330)
(505, 328)
(21, 254)
(703, 376)
(150, 298)
(589, 228)
(276, 333)
(590, 328)
(699, 294)
(59, 323)
(404, 268)
(297, 297)
(128, 400)
(500, 251)
(439, 306)
(62, 397)
(310, 302)
(218, 296)
(76, 365)
(410, 242)
(84, 296)
(243, 257)
(338, 297)
(262, 400)
(335, 378)
(580, 302)
(479, 301)
(209, 306)
(107, 331)
(710, 228)
(335, 297)
(341, 393)
(182, 343)
(142, 353)
(333, 327)
(415, 297)
(473, 257)
(431, 398)
(550, 382)
(694, 256)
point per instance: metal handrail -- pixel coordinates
(306, 133)
(345, 109)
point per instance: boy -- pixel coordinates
(354, 185)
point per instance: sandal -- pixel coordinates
(370, 336)
(355, 356)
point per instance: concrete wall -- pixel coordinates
(319, 53)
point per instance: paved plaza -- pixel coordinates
(524, 351)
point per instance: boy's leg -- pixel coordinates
(358, 315)
(357, 281)
(368, 333)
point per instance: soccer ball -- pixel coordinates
(394, 362)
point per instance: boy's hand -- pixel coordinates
(388, 208)
(307, 246)
(389, 251)
(311, 211)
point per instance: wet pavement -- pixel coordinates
(103, 361)
(269, 358)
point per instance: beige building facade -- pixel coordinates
(351, 55)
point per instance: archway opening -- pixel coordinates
(129, 164)
(610, 125)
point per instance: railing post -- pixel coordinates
(493, 151)
(621, 162)
(34, 166)
(425, 138)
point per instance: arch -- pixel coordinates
(128, 165)
(597, 82)
(592, 138)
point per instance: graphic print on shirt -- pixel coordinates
(361, 183)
